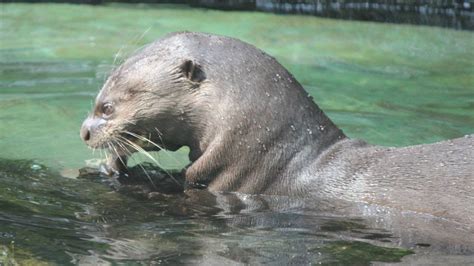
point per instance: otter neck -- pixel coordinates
(255, 148)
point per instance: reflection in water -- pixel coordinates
(99, 225)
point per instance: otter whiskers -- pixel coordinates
(123, 145)
(140, 150)
(165, 151)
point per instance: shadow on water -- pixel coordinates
(46, 217)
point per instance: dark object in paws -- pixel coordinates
(144, 178)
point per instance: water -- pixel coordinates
(46, 217)
(388, 84)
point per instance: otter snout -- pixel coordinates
(89, 129)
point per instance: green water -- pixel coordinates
(388, 84)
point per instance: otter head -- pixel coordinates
(145, 105)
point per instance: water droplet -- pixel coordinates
(35, 167)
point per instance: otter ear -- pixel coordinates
(192, 71)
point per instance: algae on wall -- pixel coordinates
(453, 13)
(446, 13)
(456, 14)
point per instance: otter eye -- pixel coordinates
(107, 109)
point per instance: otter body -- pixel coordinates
(252, 128)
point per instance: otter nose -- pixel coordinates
(86, 130)
(90, 128)
(85, 134)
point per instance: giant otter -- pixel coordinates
(252, 128)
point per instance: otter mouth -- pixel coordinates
(123, 146)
